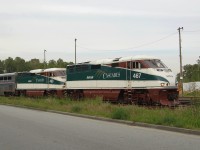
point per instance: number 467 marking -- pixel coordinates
(136, 75)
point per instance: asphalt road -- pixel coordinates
(24, 129)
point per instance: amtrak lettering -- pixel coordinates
(111, 75)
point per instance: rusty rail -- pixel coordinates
(189, 100)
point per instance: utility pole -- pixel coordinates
(75, 51)
(44, 59)
(199, 67)
(180, 54)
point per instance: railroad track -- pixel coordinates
(189, 100)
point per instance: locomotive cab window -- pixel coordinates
(155, 63)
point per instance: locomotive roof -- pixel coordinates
(122, 59)
(36, 71)
(47, 70)
(54, 69)
(7, 74)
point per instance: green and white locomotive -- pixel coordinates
(38, 82)
(138, 80)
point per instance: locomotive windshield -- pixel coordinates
(59, 73)
(155, 63)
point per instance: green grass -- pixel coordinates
(120, 113)
(185, 117)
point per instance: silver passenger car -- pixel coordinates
(7, 84)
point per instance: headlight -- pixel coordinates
(162, 84)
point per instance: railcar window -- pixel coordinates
(9, 78)
(51, 74)
(136, 65)
(115, 65)
(5, 78)
(128, 65)
(1, 78)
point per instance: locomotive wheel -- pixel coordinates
(74, 94)
(50, 93)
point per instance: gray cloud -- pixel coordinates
(29, 26)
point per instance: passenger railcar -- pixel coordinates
(7, 84)
(138, 80)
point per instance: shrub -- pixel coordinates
(169, 120)
(120, 113)
(76, 109)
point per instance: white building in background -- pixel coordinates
(191, 86)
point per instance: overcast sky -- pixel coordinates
(103, 28)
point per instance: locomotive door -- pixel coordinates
(128, 73)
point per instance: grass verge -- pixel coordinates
(185, 117)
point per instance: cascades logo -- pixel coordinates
(111, 75)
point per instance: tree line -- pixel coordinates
(191, 73)
(18, 64)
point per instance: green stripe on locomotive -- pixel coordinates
(32, 78)
(98, 72)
